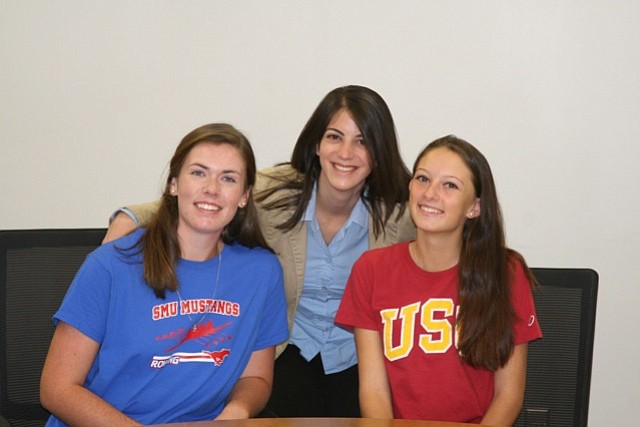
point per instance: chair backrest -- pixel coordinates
(36, 268)
(559, 365)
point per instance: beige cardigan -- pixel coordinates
(291, 246)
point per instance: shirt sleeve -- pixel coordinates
(86, 304)
(526, 327)
(142, 213)
(273, 319)
(356, 310)
(128, 212)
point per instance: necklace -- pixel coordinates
(194, 328)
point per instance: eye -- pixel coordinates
(451, 185)
(421, 178)
(197, 172)
(360, 141)
(229, 178)
(332, 136)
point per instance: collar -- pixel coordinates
(359, 214)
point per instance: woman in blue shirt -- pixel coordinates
(177, 321)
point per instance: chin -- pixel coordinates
(347, 184)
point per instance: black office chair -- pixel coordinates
(36, 268)
(559, 365)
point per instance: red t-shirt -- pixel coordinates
(415, 313)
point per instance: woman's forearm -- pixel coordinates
(77, 406)
(248, 397)
(375, 405)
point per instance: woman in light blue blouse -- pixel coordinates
(343, 192)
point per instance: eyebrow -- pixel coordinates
(342, 133)
(200, 165)
(446, 176)
(336, 130)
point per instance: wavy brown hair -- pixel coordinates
(486, 268)
(159, 243)
(388, 183)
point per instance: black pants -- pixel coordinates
(302, 389)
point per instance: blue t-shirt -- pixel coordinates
(153, 364)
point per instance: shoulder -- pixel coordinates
(117, 259)
(406, 227)
(520, 274)
(270, 177)
(272, 197)
(257, 267)
(382, 257)
(128, 240)
(399, 228)
(517, 267)
(144, 211)
(124, 248)
(257, 257)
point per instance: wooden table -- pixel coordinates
(316, 422)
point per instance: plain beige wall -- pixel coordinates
(94, 97)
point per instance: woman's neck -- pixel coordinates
(333, 209)
(334, 202)
(200, 248)
(433, 252)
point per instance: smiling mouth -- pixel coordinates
(343, 168)
(430, 210)
(208, 207)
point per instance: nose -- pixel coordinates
(431, 192)
(345, 150)
(211, 186)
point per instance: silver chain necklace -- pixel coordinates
(194, 328)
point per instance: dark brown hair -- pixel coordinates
(385, 187)
(159, 244)
(486, 268)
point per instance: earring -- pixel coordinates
(241, 205)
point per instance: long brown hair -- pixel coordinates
(486, 268)
(159, 243)
(385, 187)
